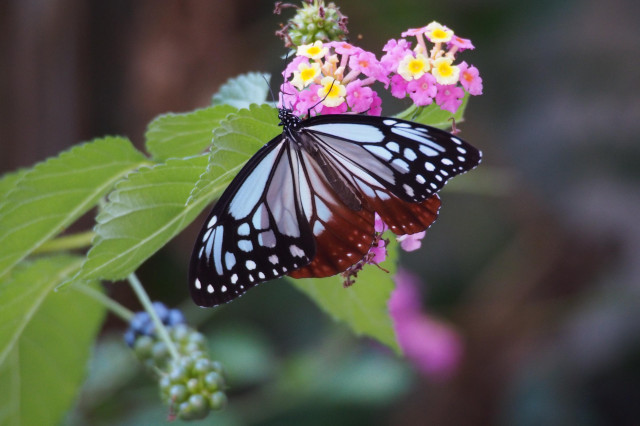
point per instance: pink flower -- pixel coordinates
(396, 51)
(293, 65)
(461, 43)
(367, 64)
(379, 252)
(423, 90)
(288, 96)
(375, 108)
(340, 109)
(309, 101)
(470, 79)
(359, 98)
(344, 48)
(415, 31)
(398, 86)
(379, 224)
(432, 345)
(449, 97)
(411, 242)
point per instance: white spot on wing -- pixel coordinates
(408, 190)
(229, 260)
(393, 146)
(273, 259)
(244, 229)
(198, 284)
(296, 251)
(428, 151)
(212, 222)
(223, 288)
(409, 154)
(389, 122)
(420, 179)
(210, 288)
(234, 278)
(429, 166)
(379, 151)
(447, 162)
(250, 264)
(400, 165)
(245, 245)
(267, 239)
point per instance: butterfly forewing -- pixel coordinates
(256, 232)
(410, 160)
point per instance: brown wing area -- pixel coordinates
(343, 235)
(345, 239)
(403, 217)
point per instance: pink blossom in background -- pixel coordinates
(379, 225)
(432, 345)
(379, 252)
(411, 242)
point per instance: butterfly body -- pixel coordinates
(304, 204)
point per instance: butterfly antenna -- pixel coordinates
(273, 98)
(321, 100)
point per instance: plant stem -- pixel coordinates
(68, 242)
(115, 307)
(163, 334)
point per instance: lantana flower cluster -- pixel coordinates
(336, 77)
(428, 70)
(332, 78)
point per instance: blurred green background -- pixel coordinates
(539, 272)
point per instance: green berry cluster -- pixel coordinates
(153, 352)
(193, 385)
(314, 21)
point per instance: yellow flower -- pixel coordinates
(412, 68)
(437, 33)
(305, 75)
(332, 92)
(312, 51)
(444, 72)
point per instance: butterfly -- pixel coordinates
(304, 204)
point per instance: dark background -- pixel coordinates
(539, 270)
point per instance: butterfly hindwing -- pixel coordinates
(256, 232)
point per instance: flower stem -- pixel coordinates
(115, 307)
(163, 334)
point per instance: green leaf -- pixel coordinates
(362, 306)
(236, 139)
(432, 115)
(183, 135)
(243, 90)
(142, 214)
(8, 183)
(45, 341)
(150, 207)
(55, 193)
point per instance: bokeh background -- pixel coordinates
(534, 265)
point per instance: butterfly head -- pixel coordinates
(288, 120)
